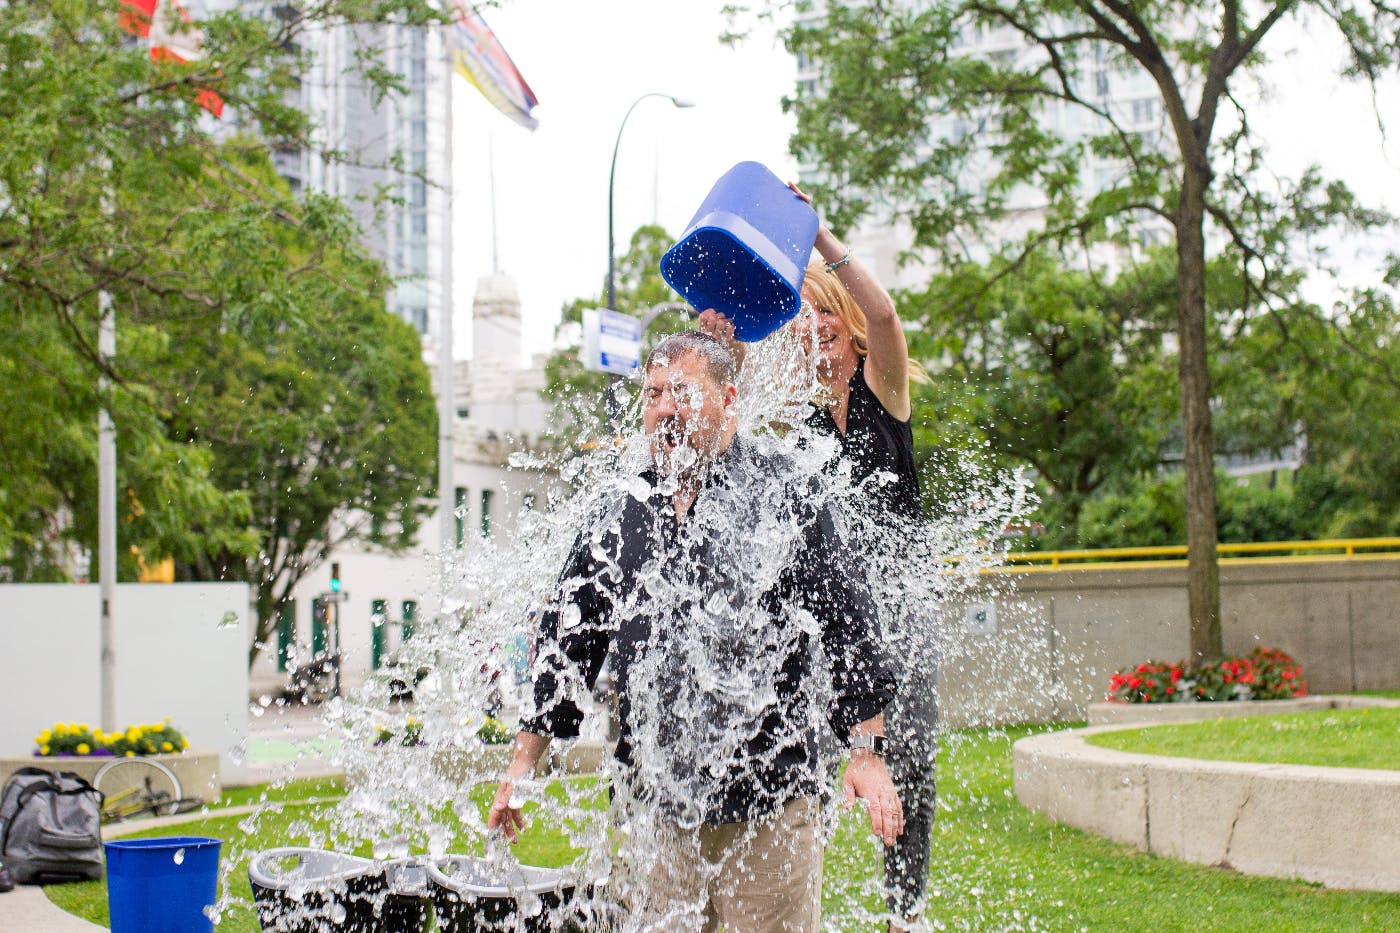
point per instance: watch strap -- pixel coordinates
(878, 744)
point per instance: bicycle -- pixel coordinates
(136, 786)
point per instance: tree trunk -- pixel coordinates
(1203, 571)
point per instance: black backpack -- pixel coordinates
(50, 827)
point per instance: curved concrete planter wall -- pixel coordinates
(197, 772)
(1335, 826)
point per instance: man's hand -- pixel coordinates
(526, 754)
(866, 778)
(509, 819)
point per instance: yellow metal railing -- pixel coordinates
(1175, 555)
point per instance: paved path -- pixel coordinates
(28, 910)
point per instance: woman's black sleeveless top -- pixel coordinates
(876, 442)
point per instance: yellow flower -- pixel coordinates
(133, 734)
(184, 743)
(130, 753)
(83, 748)
(82, 727)
(60, 729)
(167, 747)
(43, 749)
(45, 737)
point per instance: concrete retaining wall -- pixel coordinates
(1335, 826)
(1152, 714)
(1057, 637)
(197, 772)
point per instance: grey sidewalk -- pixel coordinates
(27, 910)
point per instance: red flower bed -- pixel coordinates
(1263, 674)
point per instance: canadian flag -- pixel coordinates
(173, 38)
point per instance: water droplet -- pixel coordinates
(229, 620)
(179, 856)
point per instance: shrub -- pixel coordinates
(80, 739)
(1226, 679)
(1263, 674)
(1149, 682)
(493, 733)
(412, 734)
(1276, 675)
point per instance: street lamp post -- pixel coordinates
(614, 380)
(612, 177)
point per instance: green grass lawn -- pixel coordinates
(1342, 738)
(996, 866)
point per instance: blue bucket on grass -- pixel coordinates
(162, 885)
(745, 252)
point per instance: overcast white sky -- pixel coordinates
(587, 62)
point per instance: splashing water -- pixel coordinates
(711, 654)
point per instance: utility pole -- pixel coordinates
(107, 514)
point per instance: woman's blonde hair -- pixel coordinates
(831, 294)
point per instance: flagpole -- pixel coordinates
(107, 513)
(447, 408)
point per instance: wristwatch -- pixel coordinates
(878, 744)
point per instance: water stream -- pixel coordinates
(710, 648)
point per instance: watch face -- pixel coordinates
(877, 744)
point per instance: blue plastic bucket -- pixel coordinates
(745, 252)
(162, 885)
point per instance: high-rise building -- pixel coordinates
(385, 157)
(1129, 95)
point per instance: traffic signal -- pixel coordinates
(335, 577)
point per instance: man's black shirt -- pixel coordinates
(709, 621)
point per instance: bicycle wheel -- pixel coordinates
(181, 805)
(139, 779)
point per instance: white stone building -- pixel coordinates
(501, 409)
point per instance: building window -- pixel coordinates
(378, 615)
(486, 495)
(286, 633)
(459, 513)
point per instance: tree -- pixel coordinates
(112, 186)
(1054, 369)
(888, 69)
(323, 417)
(580, 395)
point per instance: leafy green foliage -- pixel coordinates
(1047, 367)
(579, 396)
(906, 123)
(267, 406)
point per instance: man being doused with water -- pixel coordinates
(716, 591)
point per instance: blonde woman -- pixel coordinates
(863, 364)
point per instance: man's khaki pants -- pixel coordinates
(759, 877)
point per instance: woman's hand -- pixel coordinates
(804, 196)
(716, 325)
(721, 328)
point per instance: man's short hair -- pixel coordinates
(719, 362)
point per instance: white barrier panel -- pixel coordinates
(181, 652)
